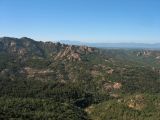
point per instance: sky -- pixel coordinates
(109, 21)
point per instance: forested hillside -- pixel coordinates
(45, 80)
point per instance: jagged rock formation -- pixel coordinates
(73, 52)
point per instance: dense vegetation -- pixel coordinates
(55, 81)
(29, 108)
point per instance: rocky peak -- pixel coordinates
(73, 52)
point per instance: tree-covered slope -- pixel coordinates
(47, 79)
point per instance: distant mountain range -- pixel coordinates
(155, 46)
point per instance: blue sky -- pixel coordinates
(83, 20)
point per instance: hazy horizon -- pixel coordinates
(97, 21)
(78, 41)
